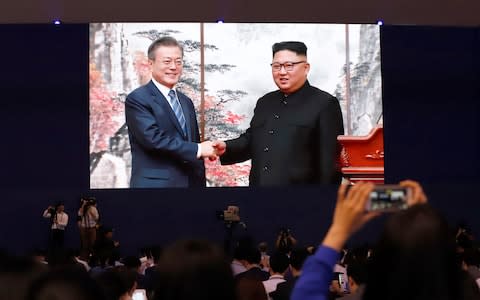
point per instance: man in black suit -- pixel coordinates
(253, 272)
(292, 137)
(284, 289)
(162, 125)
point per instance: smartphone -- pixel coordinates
(389, 198)
(139, 294)
(343, 282)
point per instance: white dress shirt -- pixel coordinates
(165, 90)
(60, 219)
(272, 282)
(90, 219)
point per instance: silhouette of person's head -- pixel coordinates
(415, 258)
(194, 269)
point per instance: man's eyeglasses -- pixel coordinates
(287, 65)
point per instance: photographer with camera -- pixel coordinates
(285, 241)
(59, 220)
(88, 217)
(415, 257)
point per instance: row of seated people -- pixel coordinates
(416, 257)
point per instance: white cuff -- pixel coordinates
(199, 151)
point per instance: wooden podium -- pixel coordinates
(362, 157)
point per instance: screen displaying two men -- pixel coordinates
(207, 104)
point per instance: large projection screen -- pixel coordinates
(236, 71)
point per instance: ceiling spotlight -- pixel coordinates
(380, 22)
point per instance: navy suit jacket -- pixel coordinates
(162, 156)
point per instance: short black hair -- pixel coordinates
(298, 257)
(471, 257)
(132, 262)
(263, 246)
(106, 229)
(166, 41)
(194, 269)
(115, 282)
(279, 262)
(298, 47)
(358, 271)
(253, 256)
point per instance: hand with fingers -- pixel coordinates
(418, 196)
(220, 147)
(207, 150)
(350, 214)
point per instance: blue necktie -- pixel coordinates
(177, 109)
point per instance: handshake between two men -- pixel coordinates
(212, 149)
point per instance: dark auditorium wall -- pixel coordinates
(431, 85)
(431, 101)
(431, 97)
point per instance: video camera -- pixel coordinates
(231, 214)
(284, 231)
(52, 209)
(88, 200)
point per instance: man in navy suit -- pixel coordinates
(162, 126)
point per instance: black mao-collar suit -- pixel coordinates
(292, 139)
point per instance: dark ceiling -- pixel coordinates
(400, 12)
